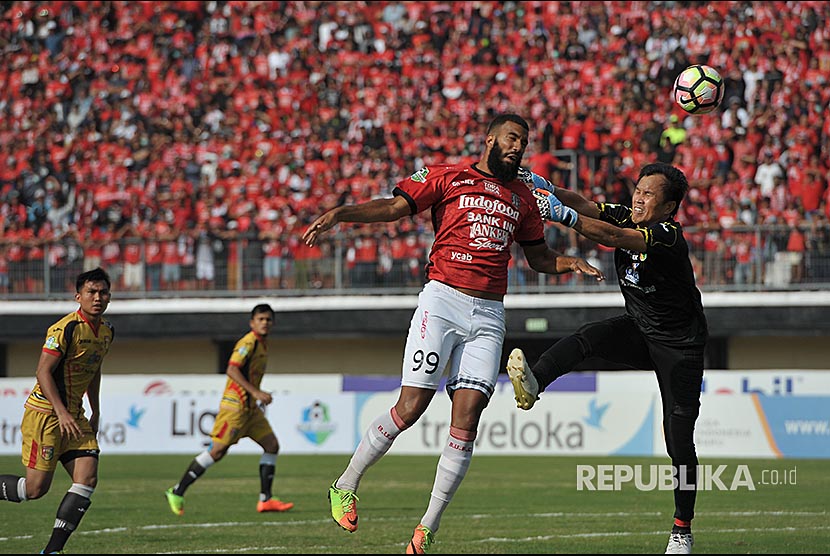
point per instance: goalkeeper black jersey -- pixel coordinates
(659, 285)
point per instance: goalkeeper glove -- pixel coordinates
(533, 180)
(551, 208)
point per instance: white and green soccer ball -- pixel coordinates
(698, 89)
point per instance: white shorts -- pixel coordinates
(455, 332)
(133, 275)
(204, 270)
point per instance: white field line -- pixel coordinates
(607, 534)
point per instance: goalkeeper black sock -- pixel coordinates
(682, 527)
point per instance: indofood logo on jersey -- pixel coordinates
(490, 206)
(316, 425)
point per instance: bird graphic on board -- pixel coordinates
(135, 416)
(595, 413)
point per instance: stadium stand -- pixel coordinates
(185, 145)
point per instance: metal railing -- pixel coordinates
(746, 258)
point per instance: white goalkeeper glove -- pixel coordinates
(551, 208)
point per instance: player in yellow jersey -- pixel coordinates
(241, 415)
(54, 426)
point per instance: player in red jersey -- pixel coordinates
(478, 211)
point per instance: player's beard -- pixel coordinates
(505, 171)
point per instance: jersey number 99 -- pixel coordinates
(431, 359)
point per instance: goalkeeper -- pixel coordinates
(664, 327)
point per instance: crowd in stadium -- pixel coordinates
(136, 132)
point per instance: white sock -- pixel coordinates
(204, 459)
(452, 466)
(82, 490)
(21, 489)
(375, 443)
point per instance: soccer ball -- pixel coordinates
(698, 89)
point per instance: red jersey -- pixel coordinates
(476, 218)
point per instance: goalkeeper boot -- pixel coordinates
(176, 502)
(680, 543)
(524, 383)
(422, 539)
(343, 507)
(273, 505)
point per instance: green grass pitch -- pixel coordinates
(506, 505)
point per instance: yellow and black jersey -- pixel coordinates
(81, 347)
(250, 355)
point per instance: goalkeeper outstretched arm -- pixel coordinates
(589, 224)
(568, 198)
(580, 204)
(610, 235)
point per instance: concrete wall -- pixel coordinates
(779, 352)
(379, 355)
(128, 356)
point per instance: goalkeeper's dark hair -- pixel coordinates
(262, 308)
(501, 119)
(676, 183)
(94, 275)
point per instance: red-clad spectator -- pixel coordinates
(572, 133)
(153, 257)
(743, 252)
(4, 269)
(13, 209)
(145, 100)
(171, 258)
(810, 190)
(111, 253)
(362, 258)
(303, 257)
(796, 246)
(91, 237)
(133, 257)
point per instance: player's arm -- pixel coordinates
(46, 365)
(580, 204)
(545, 260)
(610, 235)
(93, 394)
(378, 210)
(233, 372)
